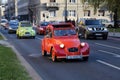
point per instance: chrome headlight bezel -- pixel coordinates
(90, 29)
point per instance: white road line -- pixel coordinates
(38, 38)
(110, 65)
(108, 46)
(116, 55)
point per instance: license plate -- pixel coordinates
(27, 34)
(98, 34)
(74, 57)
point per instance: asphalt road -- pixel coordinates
(103, 64)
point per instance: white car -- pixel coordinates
(4, 23)
(107, 23)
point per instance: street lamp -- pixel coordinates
(66, 11)
(16, 9)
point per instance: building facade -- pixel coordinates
(11, 9)
(53, 10)
(23, 11)
(57, 10)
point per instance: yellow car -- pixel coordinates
(25, 29)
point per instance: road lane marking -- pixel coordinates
(107, 46)
(110, 65)
(38, 38)
(116, 55)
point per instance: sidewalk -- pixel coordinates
(114, 34)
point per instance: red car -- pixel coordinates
(40, 29)
(62, 42)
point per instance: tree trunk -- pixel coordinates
(115, 18)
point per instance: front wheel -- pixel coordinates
(105, 37)
(44, 53)
(85, 35)
(54, 58)
(85, 58)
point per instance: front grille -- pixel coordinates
(74, 49)
(27, 33)
(98, 29)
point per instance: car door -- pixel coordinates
(48, 39)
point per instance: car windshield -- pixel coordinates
(92, 22)
(64, 32)
(13, 23)
(25, 25)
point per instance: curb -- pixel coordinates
(27, 66)
(3, 36)
(33, 74)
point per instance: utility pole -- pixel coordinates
(66, 13)
(16, 9)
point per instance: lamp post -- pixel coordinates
(66, 11)
(16, 9)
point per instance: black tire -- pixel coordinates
(18, 37)
(54, 58)
(85, 58)
(33, 37)
(85, 35)
(44, 53)
(105, 37)
(9, 32)
(110, 26)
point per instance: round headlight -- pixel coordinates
(82, 44)
(62, 45)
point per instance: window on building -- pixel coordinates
(101, 13)
(52, 0)
(72, 1)
(87, 13)
(52, 13)
(72, 13)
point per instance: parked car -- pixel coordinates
(13, 26)
(4, 23)
(25, 29)
(107, 23)
(62, 42)
(40, 29)
(92, 28)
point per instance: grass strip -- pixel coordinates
(1, 38)
(10, 66)
(114, 29)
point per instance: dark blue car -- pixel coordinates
(93, 28)
(13, 25)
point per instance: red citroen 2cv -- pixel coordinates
(62, 42)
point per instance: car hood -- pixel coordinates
(13, 26)
(68, 42)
